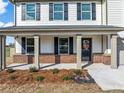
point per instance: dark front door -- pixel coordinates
(86, 49)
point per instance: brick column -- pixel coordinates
(79, 52)
(36, 52)
(2, 53)
(114, 51)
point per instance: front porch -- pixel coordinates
(58, 49)
(46, 46)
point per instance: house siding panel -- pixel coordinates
(116, 12)
(47, 44)
(72, 16)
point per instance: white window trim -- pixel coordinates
(60, 45)
(26, 12)
(58, 11)
(87, 11)
(28, 45)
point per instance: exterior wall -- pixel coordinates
(47, 44)
(72, 16)
(18, 46)
(105, 43)
(116, 12)
(101, 58)
(104, 14)
(45, 58)
(120, 51)
(51, 58)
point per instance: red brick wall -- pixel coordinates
(20, 59)
(46, 58)
(101, 58)
(51, 58)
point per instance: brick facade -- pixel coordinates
(45, 58)
(51, 58)
(101, 58)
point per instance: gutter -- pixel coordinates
(106, 12)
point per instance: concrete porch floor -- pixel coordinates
(23, 66)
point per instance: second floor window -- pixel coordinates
(58, 11)
(31, 11)
(86, 11)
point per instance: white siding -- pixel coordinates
(46, 44)
(116, 12)
(72, 16)
(105, 43)
(96, 44)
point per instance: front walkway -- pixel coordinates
(106, 77)
(22, 66)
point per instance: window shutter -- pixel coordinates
(65, 11)
(50, 11)
(78, 11)
(93, 11)
(23, 45)
(70, 45)
(37, 11)
(23, 11)
(56, 45)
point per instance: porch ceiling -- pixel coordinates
(58, 29)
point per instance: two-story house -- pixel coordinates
(66, 31)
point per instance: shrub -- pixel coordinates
(40, 91)
(11, 77)
(39, 78)
(67, 78)
(10, 70)
(33, 69)
(77, 71)
(55, 71)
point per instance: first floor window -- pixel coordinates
(30, 45)
(63, 45)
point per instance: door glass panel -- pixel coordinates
(86, 50)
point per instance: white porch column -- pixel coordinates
(36, 52)
(109, 41)
(2, 53)
(79, 52)
(114, 52)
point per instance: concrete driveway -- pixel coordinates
(107, 78)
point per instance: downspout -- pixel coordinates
(14, 13)
(106, 12)
(101, 12)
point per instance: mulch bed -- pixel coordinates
(26, 77)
